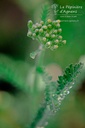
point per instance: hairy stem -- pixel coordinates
(39, 64)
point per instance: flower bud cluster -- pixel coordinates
(48, 33)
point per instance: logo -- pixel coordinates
(55, 8)
(69, 13)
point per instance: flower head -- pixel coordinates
(48, 33)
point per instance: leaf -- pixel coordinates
(14, 72)
(39, 116)
(45, 13)
(55, 92)
(69, 76)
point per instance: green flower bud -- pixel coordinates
(36, 30)
(55, 31)
(58, 25)
(60, 37)
(56, 41)
(49, 26)
(29, 34)
(41, 30)
(34, 35)
(41, 22)
(54, 22)
(34, 27)
(39, 25)
(48, 43)
(44, 27)
(53, 35)
(55, 46)
(64, 41)
(58, 21)
(47, 35)
(30, 23)
(59, 30)
(49, 21)
(44, 39)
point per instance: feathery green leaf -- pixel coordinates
(70, 74)
(45, 13)
(39, 116)
(12, 72)
(55, 92)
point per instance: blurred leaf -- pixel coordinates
(45, 13)
(15, 72)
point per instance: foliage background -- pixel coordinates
(16, 110)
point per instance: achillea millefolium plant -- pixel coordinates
(48, 33)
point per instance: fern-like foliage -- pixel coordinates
(14, 72)
(69, 76)
(39, 116)
(45, 13)
(55, 92)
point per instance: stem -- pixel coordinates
(42, 111)
(39, 64)
(42, 117)
(39, 116)
(40, 56)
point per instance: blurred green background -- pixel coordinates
(17, 105)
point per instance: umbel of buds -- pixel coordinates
(48, 33)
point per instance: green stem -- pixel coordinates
(42, 117)
(40, 56)
(39, 64)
